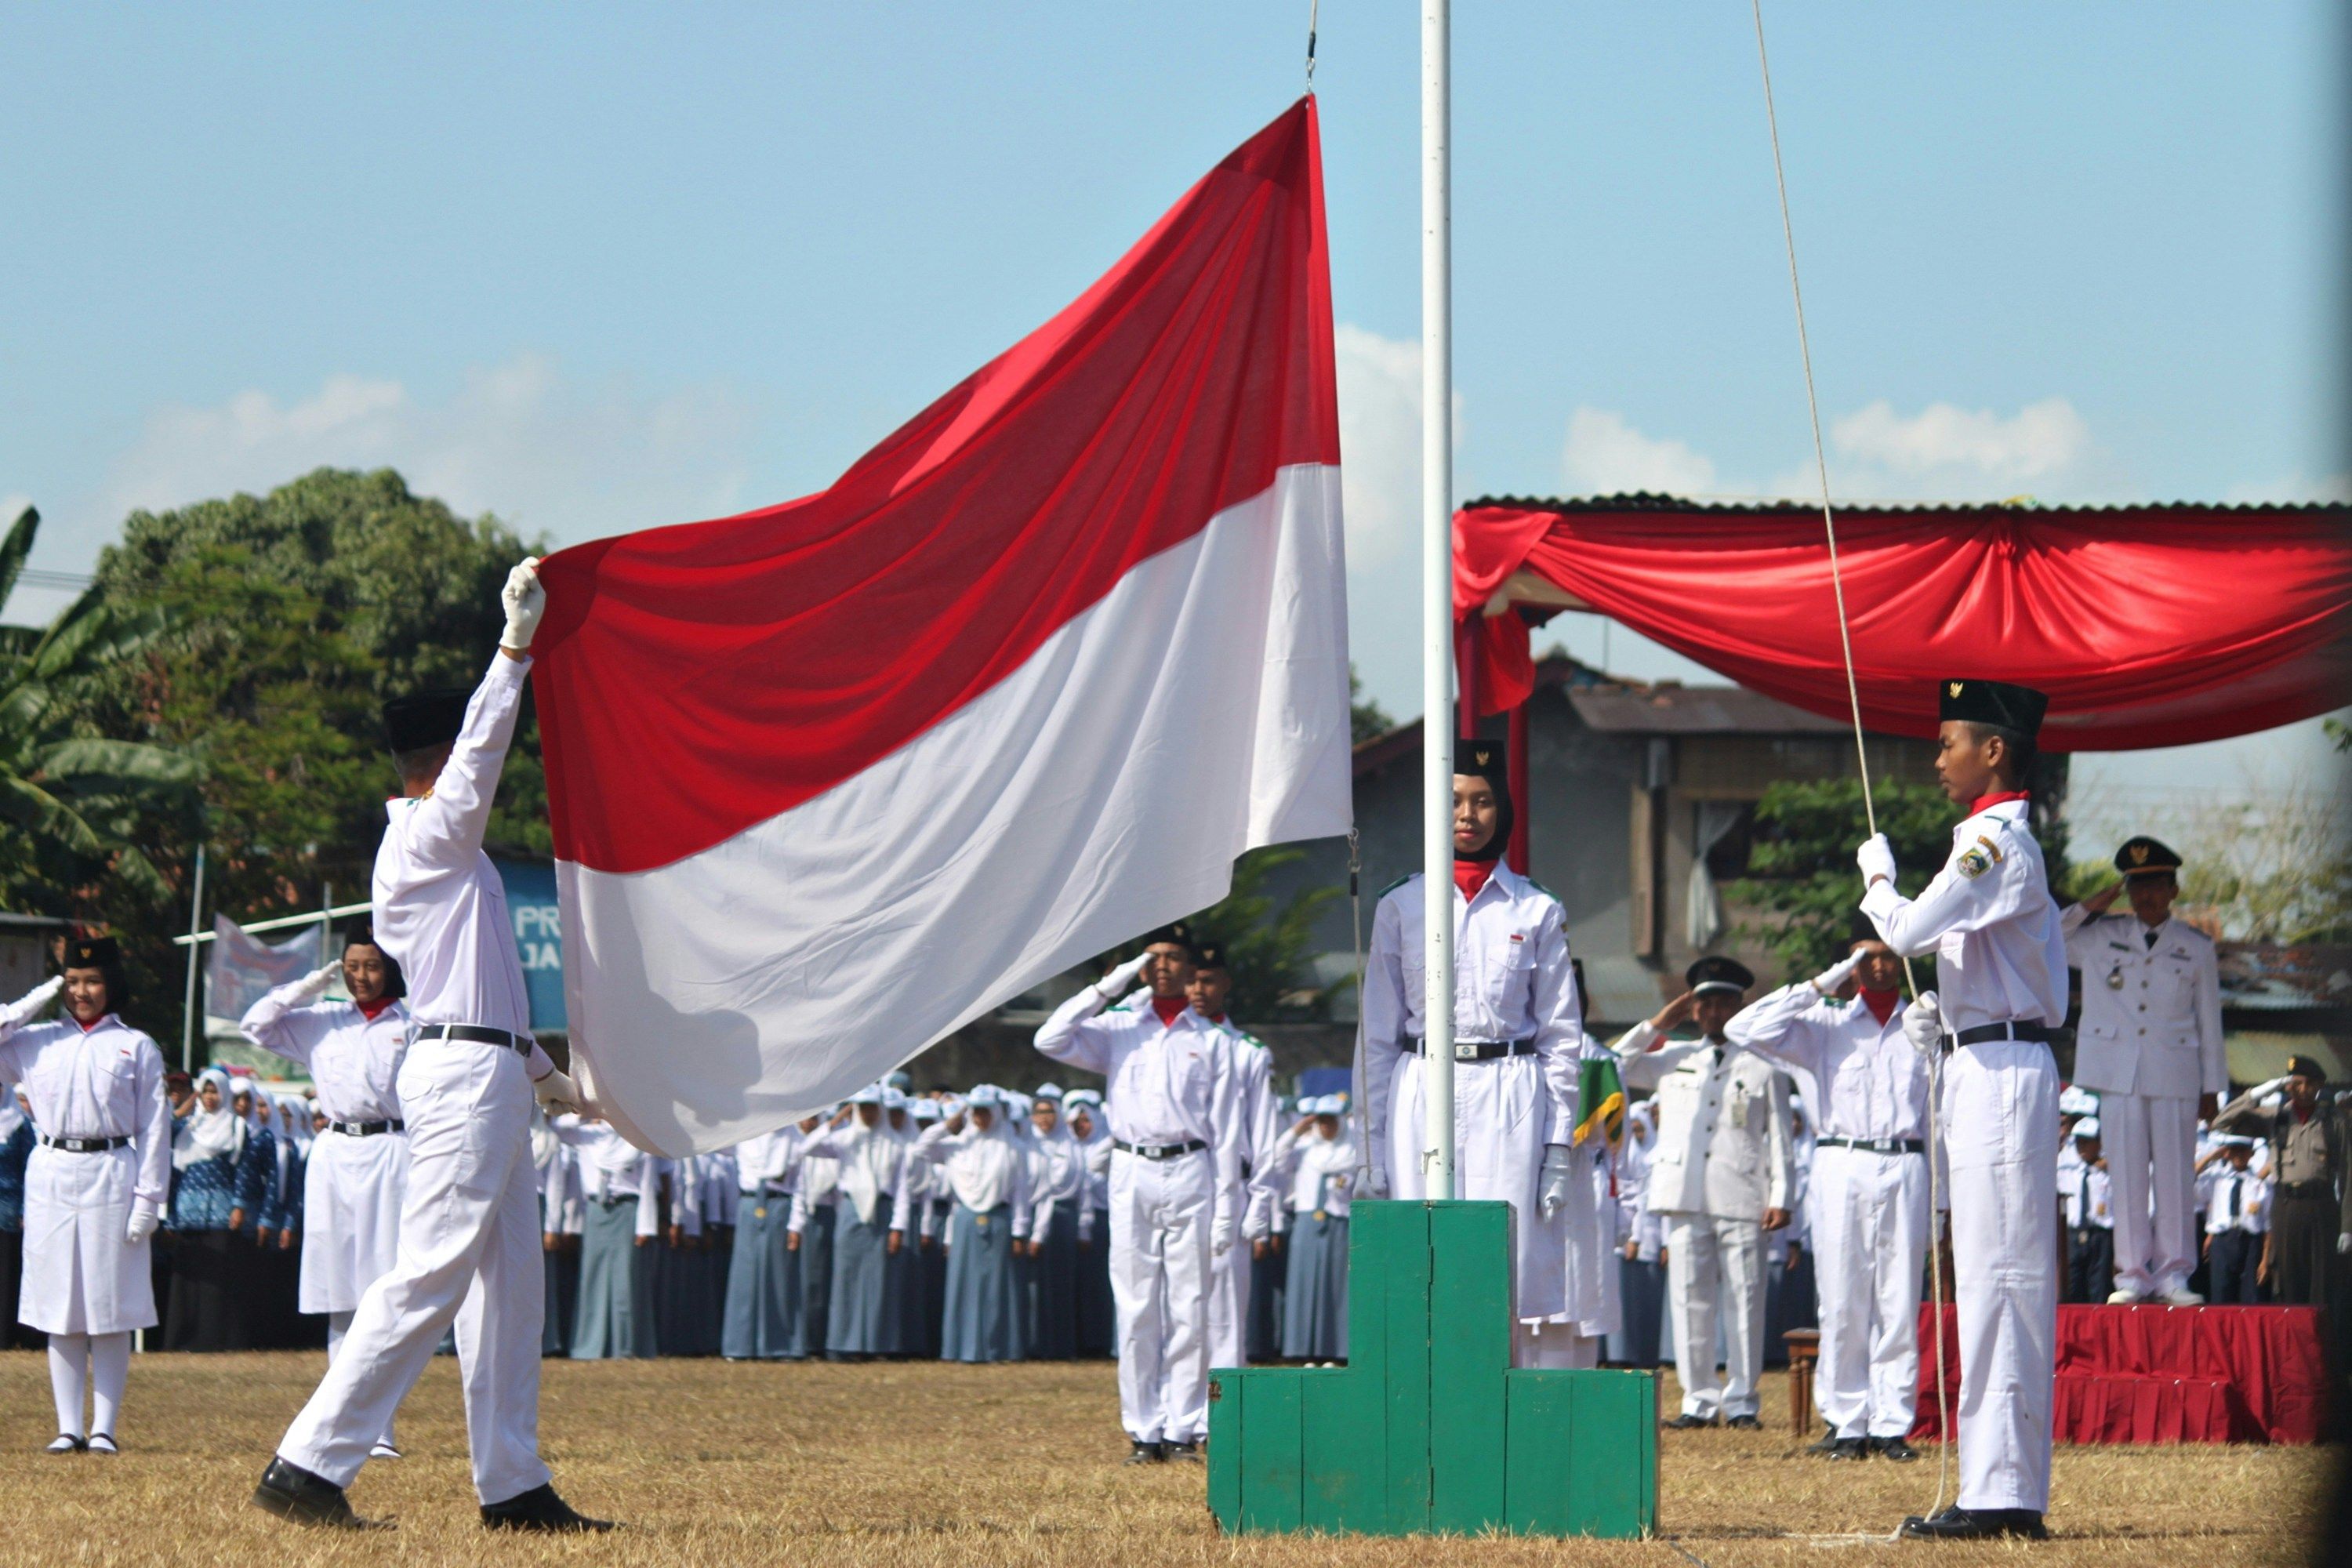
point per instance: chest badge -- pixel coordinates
(2115, 979)
(980, 1220)
(759, 1213)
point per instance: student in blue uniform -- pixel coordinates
(988, 1176)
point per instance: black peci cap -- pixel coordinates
(1209, 955)
(92, 953)
(2142, 856)
(1862, 929)
(1175, 933)
(423, 719)
(2018, 708)
(2306, 1067)
(1716, 972)
(1477, 757)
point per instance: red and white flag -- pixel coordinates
(832, 779)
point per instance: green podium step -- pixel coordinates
(1429, 1430)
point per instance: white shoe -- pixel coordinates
(384, 1451)
(2123, 1299)
(2184, 1297)
(103, 1443)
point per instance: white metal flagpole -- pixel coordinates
(1437, 597)
(195, 924)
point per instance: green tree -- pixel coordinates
(1367, 720)
(78, 807)
(1267, 949)
(1802, 886)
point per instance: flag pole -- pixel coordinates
(1437, 602)
(195, 924)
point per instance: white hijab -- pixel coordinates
(208, 1134)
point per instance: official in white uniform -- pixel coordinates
(1518, 1037)
(1722, 1175)
(470, 1238)
(2001, 969)
(95, 1184)
(357, 1174)
(2150, 1043)
(1229, 1271)
(1174, 1105)
(1869, 1192)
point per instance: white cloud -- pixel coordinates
(516, 438)
(1606, 456)
(2291, 491)
(2041, 440)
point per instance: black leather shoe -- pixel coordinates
(1744, 1424)
(539, 1508)
(1684, 1423)
(1956, 1523)
(1850, 1448)
(1148, 1454)
(1894, 1448)
(1826, 1447)
(1189, 1451)
(301, 1496)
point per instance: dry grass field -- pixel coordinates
(912, 1466)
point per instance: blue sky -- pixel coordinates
(601, 267)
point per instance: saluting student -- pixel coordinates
(2001, 969)
(1229, 1271)
(1058, 1187)
(2149, 1042)
(935, 1207)
(862, 1318)
(988, 1177)
(2087, 1194)
(1518, 1037)
(1096, 1315)
(94, 1185)
(222, 1171)
(355, 1180)
(620, 1186)
(763, 1281)
(2237, 1204)
(815, 1218)
(1312, 1166)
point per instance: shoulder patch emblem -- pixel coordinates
(1973, 862)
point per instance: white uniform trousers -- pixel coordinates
(469, 1250)
(352, 1195)
(1160, 1217)
(1712, 1262)
(1869, 1215)
(1229, 1288)
(2000, 1125)
(2151, 1147)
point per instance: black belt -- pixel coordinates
(366, 1129)
(481, 1034)
(2319, 1187)
(1875, 1145)
(86, 1145)
(1479, 1050)
(615, 1200)
(1159, 1151)
(2021, 1029)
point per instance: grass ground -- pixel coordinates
(908, 1466)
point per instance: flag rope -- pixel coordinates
(1947, 1438)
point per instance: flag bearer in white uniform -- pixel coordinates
(1173, 1104)
(469, 1239)
(2150, 1044)
(1723, 1173)
(1519, 1037)
(358, 1170)
(1869, 1189)
(2001, 970)
(1229, 1271)
(95, 1184)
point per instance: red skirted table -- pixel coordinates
(2166, 1375)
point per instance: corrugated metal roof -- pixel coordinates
(1650, 501)
(1669, 710)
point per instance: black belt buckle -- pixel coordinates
(2030, 1031)
(86, 1145)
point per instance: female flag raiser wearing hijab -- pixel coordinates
(830, 779)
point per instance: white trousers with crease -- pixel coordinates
(1160, 1216)
(1869, 1215)
(2151, 1150)
(1716, 1265)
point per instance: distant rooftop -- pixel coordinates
(1650, 501)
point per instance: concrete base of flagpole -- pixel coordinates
(1429, 1430)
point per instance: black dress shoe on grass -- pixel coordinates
(1826, 1447)
(1958, 1523)
(1684, 1423)
(1851, 1448)
(1894, 1448)
(539, 1509)
(1744, 1424)
(301, 1496)
(1189, 1451)
(1148, 1454)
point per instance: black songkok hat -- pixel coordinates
(1481, 758)
(423, 719)
(1862, 929)
(1715, 973)
(2143, 855)
(1178, 933)
(92, 953)
(2305, 1067)
(2018, 708)
(1209, 955)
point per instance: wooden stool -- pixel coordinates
(1804, 1350)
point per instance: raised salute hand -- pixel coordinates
(2099, 902)
(1679, 1011)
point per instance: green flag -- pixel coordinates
(1599, 1100)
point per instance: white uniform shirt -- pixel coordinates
(764, 1165)
(1167, 1083)
(1316, 1176)
(440, 909)
(1724, 1144)
(817, 1181)
(104, 1082)
(1987, 917)
(983, 1170)
(612, 1170)
(2085, 1197)
(355, 1060)
(1868, 1081)
(1057, 1177)
(2151, 1010)
(869, 1164)
(2218, 1185)
(1511, 981)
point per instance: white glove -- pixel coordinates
(315, 984)
(1923, 1025)
(1828, 980)
(1877, 858)
(1221, 1235)
(557, 1092)
(1558, 1175)
(1119, 979)
(33, 1001)
(1086, 1224)
(2344, 1243)
(2273, 1087)
(143, 1224)
(525, 602)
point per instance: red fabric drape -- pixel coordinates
(2147, 627)
(2168, 1374)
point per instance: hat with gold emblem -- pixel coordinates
(2018, 708)
(2146, 856)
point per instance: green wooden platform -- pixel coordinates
(1428, 1429)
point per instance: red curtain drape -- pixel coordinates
(2146, 625)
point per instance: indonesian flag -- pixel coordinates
(829, 780)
